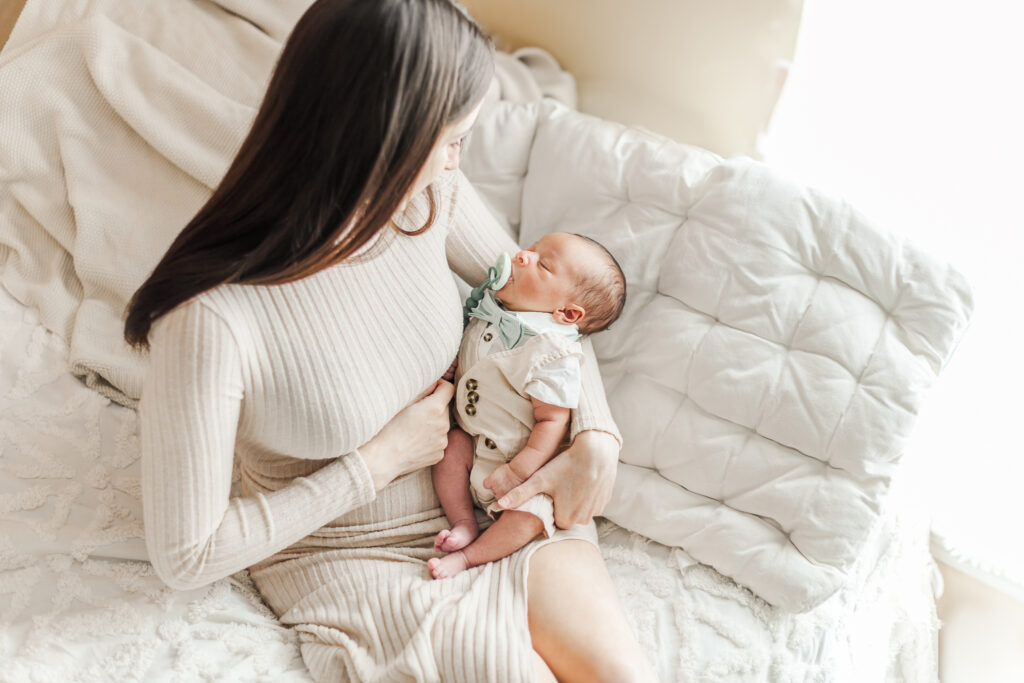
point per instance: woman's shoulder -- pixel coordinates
(209, 314)
(212, 302)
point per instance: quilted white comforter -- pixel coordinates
(774, 350)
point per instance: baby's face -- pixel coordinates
(546, 276)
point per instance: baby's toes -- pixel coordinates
(456, 540)
(440, 539)
(436, 569)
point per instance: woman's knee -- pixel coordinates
(623, 667)
(608, 665)
(576, 620)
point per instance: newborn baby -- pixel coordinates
(517, 376)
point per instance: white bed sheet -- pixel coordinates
(79, 601)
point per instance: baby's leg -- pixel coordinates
(451, 482)
(512, 530)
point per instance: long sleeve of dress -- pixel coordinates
(475, 238)
(195, 531)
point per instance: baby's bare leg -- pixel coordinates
(451, 482)
(512, 530)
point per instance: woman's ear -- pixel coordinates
(570, 314)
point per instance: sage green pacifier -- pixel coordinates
(497, 277)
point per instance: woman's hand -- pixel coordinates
(414, 438)
(449, 375)
(502, 480)
(579, 480)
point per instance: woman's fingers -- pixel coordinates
(501, 481)
(579, 480)
(439, 422)
(413, 439)
(426, 392)
(522, 493)
(450, 372)
(432, 391)
(443, 390)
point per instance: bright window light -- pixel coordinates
(913, 110)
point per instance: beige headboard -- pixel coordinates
(9, 11)
(704, 72)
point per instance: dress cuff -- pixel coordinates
(607, 426)
(359, 476)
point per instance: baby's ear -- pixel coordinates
(571, 314)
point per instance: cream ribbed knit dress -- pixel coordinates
(289, 380)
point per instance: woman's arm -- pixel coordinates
(195, 531)
(581, 477)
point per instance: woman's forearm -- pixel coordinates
(218, 536)
(188, 416)
(593, 412)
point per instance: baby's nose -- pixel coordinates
(524, 257)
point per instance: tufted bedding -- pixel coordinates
(773, 353)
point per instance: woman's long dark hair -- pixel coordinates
(360, 94)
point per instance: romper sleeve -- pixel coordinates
(475, 238)
(556, 383)
(188, 416)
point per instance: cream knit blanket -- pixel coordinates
(119, 118)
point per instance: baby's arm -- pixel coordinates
(552, 424)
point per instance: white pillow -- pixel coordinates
(773, 353)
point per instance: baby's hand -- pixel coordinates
(450, 374)
(502, 480)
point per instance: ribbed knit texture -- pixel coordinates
(288, 378)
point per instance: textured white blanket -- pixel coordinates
(119, 118)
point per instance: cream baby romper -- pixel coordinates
(492, 397)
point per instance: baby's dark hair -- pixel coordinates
(602, 294)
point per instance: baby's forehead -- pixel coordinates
(565, 241)
(583, 257)
(578, 244)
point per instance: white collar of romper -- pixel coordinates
(541, 322)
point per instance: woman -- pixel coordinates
(299, 325)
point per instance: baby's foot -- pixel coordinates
(447, 566)
(458, 537)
